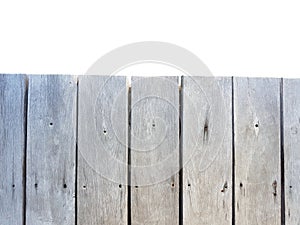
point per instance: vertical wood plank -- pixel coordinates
(291, 115)
(155, 150)
(102, 150)
(12, 146)
(206, 150)
(257, 151)
(51, 145)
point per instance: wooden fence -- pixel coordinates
(225, 150)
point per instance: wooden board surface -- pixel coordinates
(207, 150)
(257, 151)
(155, 150)
(102, 150)
(12, 148)
(51, 145)
(291, 121)
(230, 144)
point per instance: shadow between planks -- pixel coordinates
(81, 150)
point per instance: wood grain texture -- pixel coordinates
(51, 145)
(102, 150)
(207, 150)
(12, 148)
(257, 151)
(291, 115)
(155, 150)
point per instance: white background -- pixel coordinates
(233, 38)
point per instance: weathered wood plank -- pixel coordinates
(207, 150)
(291, 115)
(12, 148)
(155, 150)
(257, 151)
(51, 145)
(102, 150)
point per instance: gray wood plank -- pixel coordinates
(102, 150)
(51, 145)
(291, 115)
(155, 150)
(257, 151)
(207, 150)
(12, 146)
